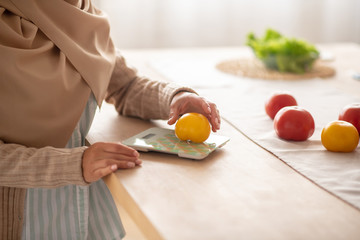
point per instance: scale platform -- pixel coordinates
(164, 140)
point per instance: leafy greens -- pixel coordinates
(282, 53)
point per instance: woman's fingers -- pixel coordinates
(102, 172)
(173, 116)
(103, 163)
(115, 151)
(214, 117)
(104, 158)
(205, 106)
(116, 148)
(120, 157)
(185, 102)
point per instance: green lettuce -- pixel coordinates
(282, 53)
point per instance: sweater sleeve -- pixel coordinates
(47, 167)
(138, 96)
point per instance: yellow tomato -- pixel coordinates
(193, 126)
(340, 136)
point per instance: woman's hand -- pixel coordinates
(185, 102)
(101, 159)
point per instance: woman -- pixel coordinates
(57, 63)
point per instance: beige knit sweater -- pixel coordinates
(23, 167)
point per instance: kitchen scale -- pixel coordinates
(164, 140)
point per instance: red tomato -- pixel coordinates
(294, 123)
(277, 101)
(351, 114)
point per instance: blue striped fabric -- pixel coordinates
(73, 212)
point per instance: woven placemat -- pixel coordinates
(253, 68)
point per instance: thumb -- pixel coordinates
(173, 116)
(102, 172)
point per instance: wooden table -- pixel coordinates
(241, 191)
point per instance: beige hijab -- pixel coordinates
(53, 53)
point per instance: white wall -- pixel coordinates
(202, 23)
